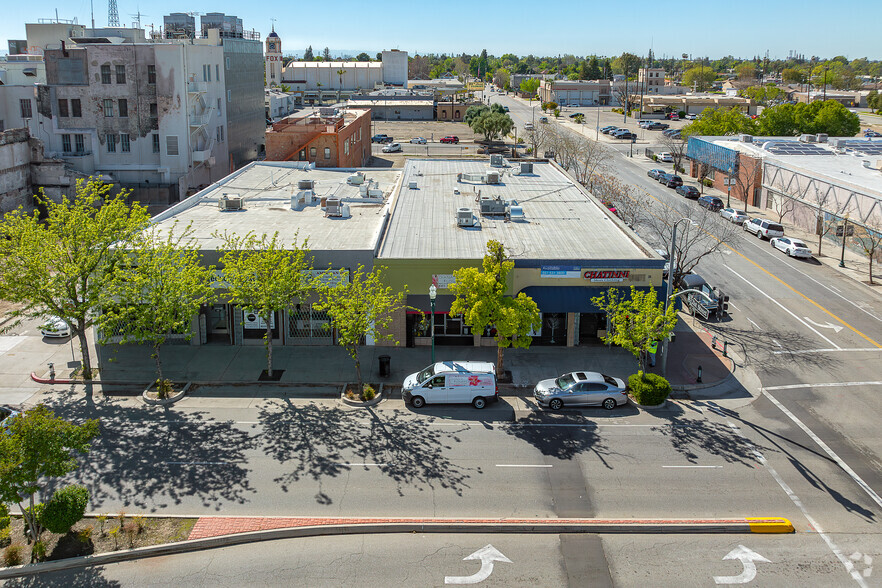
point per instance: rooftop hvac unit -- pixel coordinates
(746, 138)
(808, 138)
(516, 213)
(497, 161)
(526, 167)
(333, 207)
(412, 185)
(838, 143)
(490, 205)
(493, 177)
(230, 202)
(822, 137)
(355, 179)
(305, 184)
(464, 217)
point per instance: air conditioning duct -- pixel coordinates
(493, 206)
(333, 207)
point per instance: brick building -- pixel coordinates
(342, 141)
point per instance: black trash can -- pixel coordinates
(385, 366)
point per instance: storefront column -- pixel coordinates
(572, 330)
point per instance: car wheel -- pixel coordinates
(556, 404)
(417, 402)
(479, 402)
(789, 253)
(609, 404)
(759, 235)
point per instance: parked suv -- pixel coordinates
(450, 139)
(712, 203)
(764, 228)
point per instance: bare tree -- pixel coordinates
(747, 176)
(580, 156)
(630, 202)
(677, 149)
(782, 205)
(869, 239)
(591, 158)
(823, 227)
(704, 170)
(707, 234)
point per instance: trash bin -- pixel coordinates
(385, 366)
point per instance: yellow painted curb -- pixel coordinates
(769, 525)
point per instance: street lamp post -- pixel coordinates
(844, 235)
(669, 291)
(728, 185)
(432, 293)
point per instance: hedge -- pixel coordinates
(648, 389)
(65, 509)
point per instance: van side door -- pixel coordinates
(436, 390)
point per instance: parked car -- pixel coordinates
(644, 123)
(528, 126)
(505, 108)
(712, 203)
(581, 389)
(792, 247)
(689, 191)
(655, 173)
(452, 382)
(690, 116)
(574, 105)
(575, 114)
(674, 133)
(673, 181)
(381, 139)
(609, 129)
(666, 157)
(673, 116)
(657, 126)
(624, 134)
(6, 416)
(734, 215)
(763, 227)
(664, 177)
(872, 134)
(392, 148)
(55, 327)
(419, 140)
(543, 119)
(450, 139)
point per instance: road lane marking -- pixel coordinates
(804, 351)
(693, 466)
(522, 465)
(849, 566)
(778, 343)
(822, 385)
(367, 465)
(845, 467)
(753, 323)
(836, 328)
(787, 310)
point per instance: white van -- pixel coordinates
(451, 382)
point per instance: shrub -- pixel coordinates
(38, 551)
(648, 389)
(38, 516)
(708, 183)
(131, 531)
(368, 393)
(102, 519)
(12, 555)
(5, 534)
(85, 535)
(65, 509)
(140, 521)
(4, 516)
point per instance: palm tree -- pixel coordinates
(340, 73)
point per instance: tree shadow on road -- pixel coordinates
(695, 439)
(318, 442)
(151, 457)
(561, 442)
(91, 577)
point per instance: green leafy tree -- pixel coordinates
(593, 72)
(60, 265)
(579, 118)
(358, 308)
(263, 275)
(746, 72)
(482, 301)
(833, 118)
(792, 75)
(636, 322)
(502, 78)
(362, 57)
(721, 121)
(35, 447)
(779, 121)
(326, 54)
(701, 77)
(308, 55)
(491, 124)
(473, 112)
(529, 87)
(159, 294)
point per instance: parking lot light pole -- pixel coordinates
(669, 291)
(432, 293)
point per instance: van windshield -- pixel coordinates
(426, 374)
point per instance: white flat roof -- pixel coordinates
(563, 221)
(267, 187)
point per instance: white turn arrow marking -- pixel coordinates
(748, 558)
(836, 328)
(487, 554)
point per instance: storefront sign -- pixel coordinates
(607, 275)
(560, 271)
(443, 280)
(330, 277)
(253, 321)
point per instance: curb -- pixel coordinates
(550, 526)
(164, 401)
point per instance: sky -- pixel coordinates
(712, 28)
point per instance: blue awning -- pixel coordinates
(568, 298)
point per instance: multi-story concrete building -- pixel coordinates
(179, 25)
(320, 81)
(340, 141)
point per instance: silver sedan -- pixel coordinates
(581, 389)
(733, 214)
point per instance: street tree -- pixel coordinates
(704, 170)
(35, 448)
(747, 178)
(637, 321)
(677, 148)
(779, 121)
(491, 124)
(265, 275)
(529, 87)
(482, 301)
(60, 265)
(720, 121)
(631, 203)
(706, 235)
(869, 239)
(360, 307)
(502, 78)
(792, 75)
(781, 205)
(157, 294)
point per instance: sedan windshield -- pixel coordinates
(565, 381)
